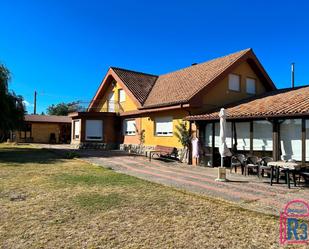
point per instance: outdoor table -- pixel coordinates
(288, 166)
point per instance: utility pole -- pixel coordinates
(292, 74)
(34, 107)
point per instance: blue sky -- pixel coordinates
(63, 49)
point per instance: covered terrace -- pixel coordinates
(274, 124)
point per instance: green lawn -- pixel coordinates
(50, 202)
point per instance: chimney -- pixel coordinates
(292, 74)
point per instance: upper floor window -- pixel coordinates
(234, 82)
(250, 85)
(164, 126)
(122, 95)
(129, 127)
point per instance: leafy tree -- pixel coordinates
(11, 106)
(63, 109)
(183, 134)
(184, 137)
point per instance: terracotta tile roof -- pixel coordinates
(48, 119)
(279, 103)
(180, 86)
(140, 84)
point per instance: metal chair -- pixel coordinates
(238, 161)
(264, 165)
(252, 164)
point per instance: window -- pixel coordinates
(250, 85)
(121, 95)
(129, 127)
(164, 126)
(234, 82)
(76, 128)
(94, 130)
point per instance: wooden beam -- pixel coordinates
(275, 140)
(303, 141)
(251, 137)
(213, 144)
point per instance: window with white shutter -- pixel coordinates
(164, 126)
(94, 130)
(234, 82)
(76, 129)
(129, 127)
(122, 95)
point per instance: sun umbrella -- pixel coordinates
(223, 149)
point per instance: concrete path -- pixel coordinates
(246, 191)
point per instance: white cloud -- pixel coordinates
(27, 104)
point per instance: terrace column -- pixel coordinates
(276, 142)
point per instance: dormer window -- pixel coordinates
(234, 82)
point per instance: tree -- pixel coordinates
(184, 137)
(63, 109)
(11, 106)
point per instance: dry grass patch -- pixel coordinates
(63, 203)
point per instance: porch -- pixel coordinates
(97, 130)
(275, 124)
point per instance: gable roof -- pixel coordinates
(140, 84)
(179, 87)
(48, 118)
(279, 103)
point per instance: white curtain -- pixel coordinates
(290, 134)
(262, 135)
(243, 135)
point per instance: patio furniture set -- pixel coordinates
(274, 169)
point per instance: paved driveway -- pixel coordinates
(248, 192)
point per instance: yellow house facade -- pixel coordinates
(150, 108)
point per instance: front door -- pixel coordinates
(111, 102)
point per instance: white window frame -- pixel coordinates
(164, 126)
(76, 136)
(129, 127)
(251, 85)
(234, 79)
(121, 95)
(100, 125)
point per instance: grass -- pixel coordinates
(51, 202)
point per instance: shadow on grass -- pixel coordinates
(15, 155)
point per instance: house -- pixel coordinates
(132, 108)
(274, 124)
(45, 129)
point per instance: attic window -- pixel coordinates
(250, 85)
(234, 82)
(122, 95)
